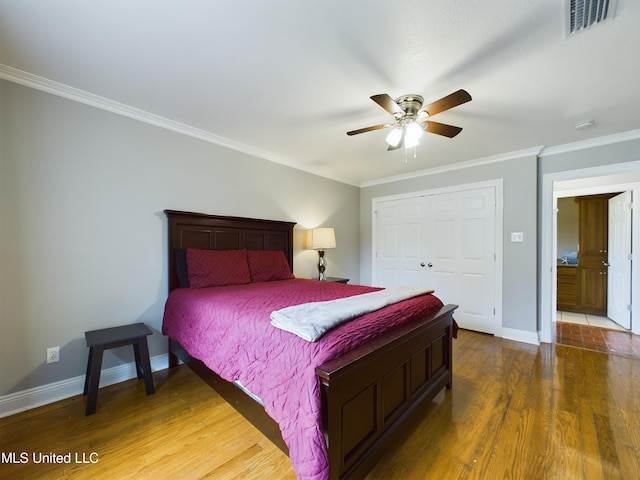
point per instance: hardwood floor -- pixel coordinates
(516, 411)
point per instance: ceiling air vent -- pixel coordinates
(584, 14)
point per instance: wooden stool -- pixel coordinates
(100, 340)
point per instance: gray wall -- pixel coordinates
(83, 242)
(519, 206)
(609, 154)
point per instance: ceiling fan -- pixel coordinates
(411, 118)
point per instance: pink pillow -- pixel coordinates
(215, 268)
(268, 265)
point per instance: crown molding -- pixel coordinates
(43, 84)
(541, 151)
(591, 143)
(529, 152)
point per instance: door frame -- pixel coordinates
(499, 220)
(549, 234)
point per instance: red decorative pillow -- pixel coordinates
(215, 268)
(268, 265)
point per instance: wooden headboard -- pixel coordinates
(215, 232)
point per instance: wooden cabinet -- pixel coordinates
(568, 294)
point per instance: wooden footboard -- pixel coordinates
(371, 394)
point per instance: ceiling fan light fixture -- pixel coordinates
(412, 135)
(394, 137)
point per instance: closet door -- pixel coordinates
(400, 242)
(461, 255)
(444, 241)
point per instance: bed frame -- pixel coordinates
(372, 396)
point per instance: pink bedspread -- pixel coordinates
(228, 328)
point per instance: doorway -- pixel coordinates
(594, 259)
(596, 180)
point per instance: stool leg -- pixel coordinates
(145, 364)
(136, 354)
(86, 377)
(94, 378)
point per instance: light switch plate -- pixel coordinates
(517, 237)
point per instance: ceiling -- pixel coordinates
(286, 79)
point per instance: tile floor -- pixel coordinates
(592, 320)
(596, 333)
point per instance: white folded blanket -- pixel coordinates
(311, 320)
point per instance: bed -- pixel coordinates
(366, 393)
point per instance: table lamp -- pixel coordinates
(320, 239)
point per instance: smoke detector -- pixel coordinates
(584, 124)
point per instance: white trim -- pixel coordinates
(520, 335)
(52, 392)
(591, 143)
(36, 82)
(499, 227)
(457, 166)
(548, 234)
(43, 84)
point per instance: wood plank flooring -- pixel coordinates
(516, 411)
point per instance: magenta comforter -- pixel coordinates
(228, 328)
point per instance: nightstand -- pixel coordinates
(337, 280)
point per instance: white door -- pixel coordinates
(461, 257)
(400, 242)
(619, 274)
(446, 242)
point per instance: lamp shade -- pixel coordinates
(321, 238)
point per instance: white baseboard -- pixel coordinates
(52, 392)
(520, 335)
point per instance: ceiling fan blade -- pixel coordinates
(445, 103)
(368, 129)
(442, 129)
(388, 103)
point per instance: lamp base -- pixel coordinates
(321, 266)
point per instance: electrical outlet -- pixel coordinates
(53, 354)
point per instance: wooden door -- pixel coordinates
(593, 254)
